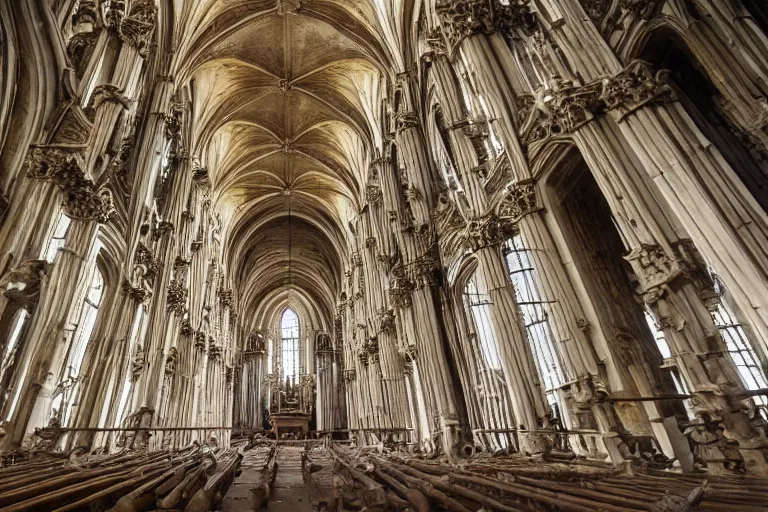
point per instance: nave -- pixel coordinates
(306, 476)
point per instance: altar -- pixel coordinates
(290, 422)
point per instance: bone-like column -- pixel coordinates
(415, 235)
(61, 293)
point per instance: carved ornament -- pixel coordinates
(486, 231)
(636, 86)
(171, 361)
(200, 338)
(22, 283)
(109, 93)
(136, 29)
(138, 293)
(82, 200)
(386, 320)
(177, 298)
(520, 200)
(558, 109)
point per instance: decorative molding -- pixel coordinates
(486, 231)
(171, 361)
(636, 86)
(177, 298)
(519, 201)
(138, 292)
(22, 283)
(82, 199)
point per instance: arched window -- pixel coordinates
(535, 315)
(477, 303)
(70, 376)
(57, 239)
(289, 326)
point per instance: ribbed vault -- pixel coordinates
(285, 94)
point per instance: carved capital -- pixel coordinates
(634, 87)
(406, 121)
(82, 199)
(136, 29)
(486, 231)
(373, 194)
(200, 338)
(386, 320)
(558, 109)
(226, 298)
(520, 200)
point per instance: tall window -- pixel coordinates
(739, 347)
(477, 303)
(58, 238)
(535, 317)
(67, 386)
(137, 334)
(9, 356)
(289, 325)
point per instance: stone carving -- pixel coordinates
(171, 361)
(373, 194)
(350, 375)
(82, 200)
(386, 320)
(558, 109)
(186, 329)
(177, 298)
(463, 18)
(324, 343)
(22, 283)
(406, 120)
(214, 350)
(145, 258)
(226, 298)
(109, 93)
(635, 86)
(136, 29)
(137, 365)
(486, 231)
(200, 338)
(86, 32)
(520, 200)
(138, 293)
(256, 343)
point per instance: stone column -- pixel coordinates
(62, 292)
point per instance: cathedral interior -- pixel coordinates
(406, 255)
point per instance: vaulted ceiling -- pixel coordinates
(286, 98)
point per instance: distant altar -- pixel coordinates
(292, 404)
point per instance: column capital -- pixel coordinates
(520, 200)
(83, 200)
(635, 86)
(460, 19)
(486, 231)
